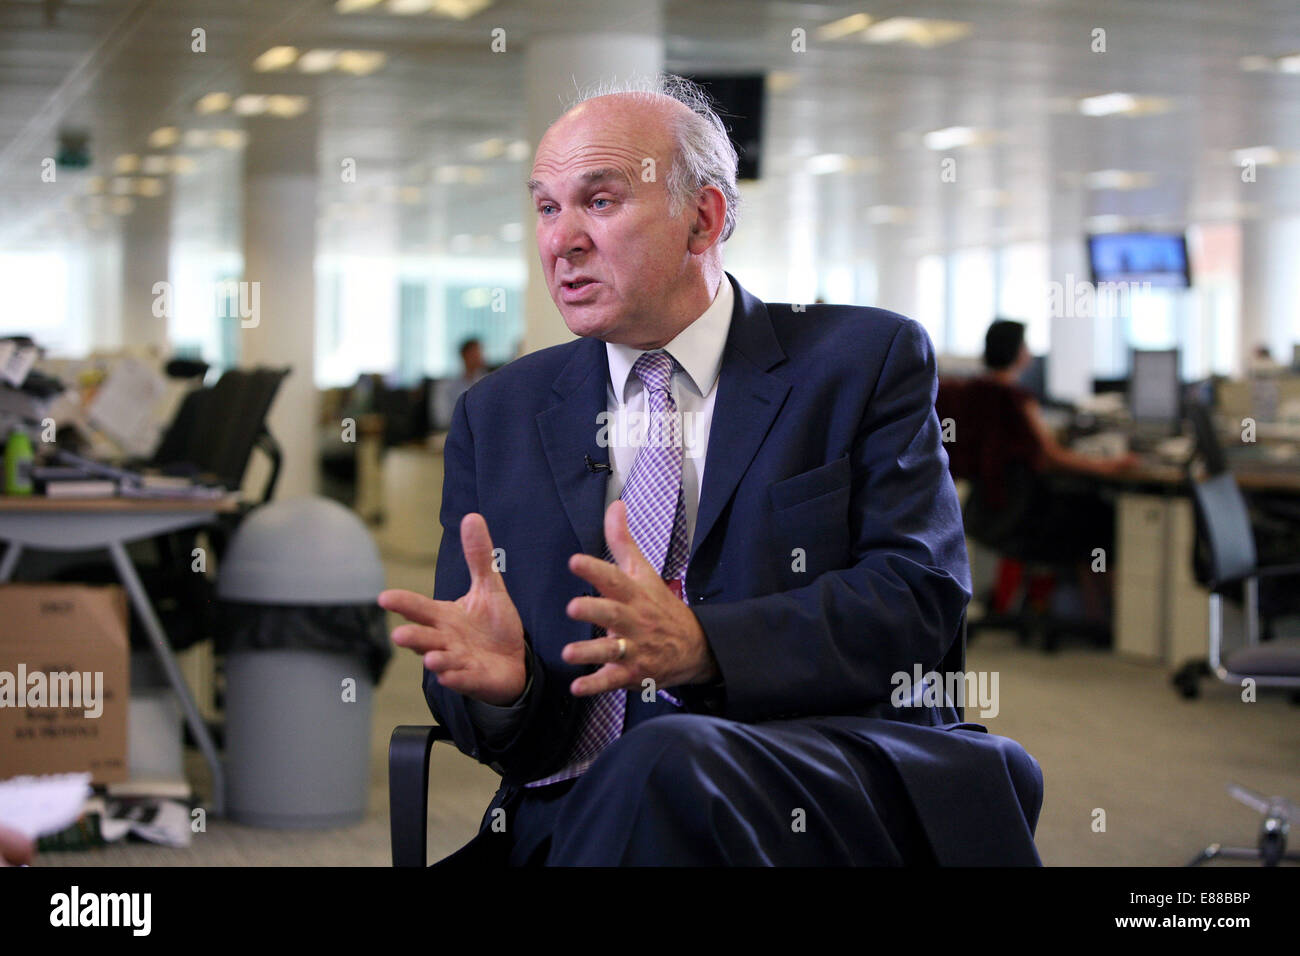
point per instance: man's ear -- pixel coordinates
(710, 217)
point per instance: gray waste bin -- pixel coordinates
(305, 644)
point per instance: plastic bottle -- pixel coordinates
(18, 463)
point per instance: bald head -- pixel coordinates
(630, 224)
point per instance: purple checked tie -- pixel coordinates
(656, 517)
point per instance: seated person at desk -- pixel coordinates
(1005, 357)
(1022, 502)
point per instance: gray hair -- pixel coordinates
(704, 156)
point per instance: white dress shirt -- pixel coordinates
(698, 351)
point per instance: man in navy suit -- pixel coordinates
(737, 700)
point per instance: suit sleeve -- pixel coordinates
(831, 646)
(535, 737)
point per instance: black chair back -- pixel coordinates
(1223, 528)
(1208, 448)
(216, 429)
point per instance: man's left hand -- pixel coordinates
(657, 635)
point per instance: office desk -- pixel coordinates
(77, 524)
(1164, 475)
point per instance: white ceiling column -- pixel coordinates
(1270, 289)
(279, 201)
(146, 247)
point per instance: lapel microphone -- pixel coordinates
(596, 467)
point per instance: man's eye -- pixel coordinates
(594, 201)
(544, 208)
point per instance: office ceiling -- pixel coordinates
(119, 69)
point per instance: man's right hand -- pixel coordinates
(473, 645)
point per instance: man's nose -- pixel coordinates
(568, 236)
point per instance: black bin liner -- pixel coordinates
(358, 629)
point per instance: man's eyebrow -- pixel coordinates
(589, 177)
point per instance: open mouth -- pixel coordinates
(578, 283)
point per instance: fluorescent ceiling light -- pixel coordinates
(286, 107)
(126, 163)
(825, 163)
(1289, 63)
(164, 137)
(846, 26)
(1117, 179)
(360, 62)
(1122, 104)
(355, 6)
(518, 150)
(887, 215)
(407, 8)
(276, 58)
(459, 9)
(149, 187)
(1259, 155)
(212, 103)
(230, 138)
(317, 61)
(1107, 103)
(950, 137)
(156, 165)
(779, 81)
(250, 104)
(916, 31)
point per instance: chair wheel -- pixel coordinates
(1188, 683)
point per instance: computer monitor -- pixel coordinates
(1154, 257)
(1154, 395)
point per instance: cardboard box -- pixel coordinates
(64, 680)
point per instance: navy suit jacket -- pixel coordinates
(828, 552)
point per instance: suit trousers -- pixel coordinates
(693, 790)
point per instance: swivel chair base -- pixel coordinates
(1271, 849)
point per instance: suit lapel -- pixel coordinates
(748, 401)
(569, 430)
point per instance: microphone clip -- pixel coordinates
(596, 467)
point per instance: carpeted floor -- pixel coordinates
(1110, 735)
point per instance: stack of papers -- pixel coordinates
(35, 806)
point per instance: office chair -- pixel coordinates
(408, 767)
(1224, 560)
